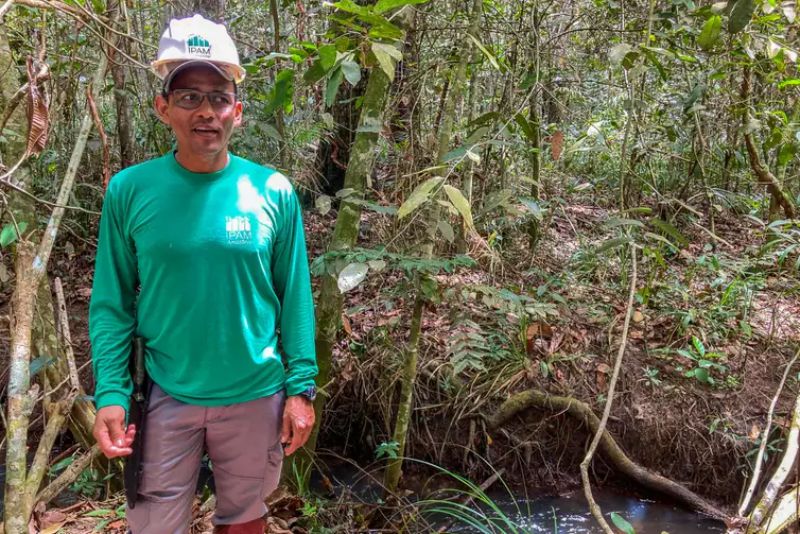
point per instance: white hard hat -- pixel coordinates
(194, 41)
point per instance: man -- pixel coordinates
(215, 246)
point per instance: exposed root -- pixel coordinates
(580, 410)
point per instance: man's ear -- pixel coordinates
(161, 106)
(237, 113)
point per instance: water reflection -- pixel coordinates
(570, 515)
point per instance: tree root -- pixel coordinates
(580, 410)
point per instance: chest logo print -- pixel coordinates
(238, 229)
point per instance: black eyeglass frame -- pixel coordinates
(205, 96)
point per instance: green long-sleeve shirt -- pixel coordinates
(220, 263)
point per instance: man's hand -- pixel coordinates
(298, 421)
(110, 432)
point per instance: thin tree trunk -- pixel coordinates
(125, 134)
(408, 379)
(31, 270)
(345, 236)
(283, 154)
(761, 171)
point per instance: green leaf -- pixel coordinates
(327, 56)
(314, 73)
(384, 58)
(351, 276)
(100, 512)
(618, 53)
(333, 86)
(621, 523)
(611, 244)
(387, 5)
(352, 72)
(703, 375)
(460, 202)
(741, 14)
(698, 346)
(534, 207)
(282, 93)
(446, 230)
(417, 197)
(527, 127)
(789, 83)
(9, 233)
(485, 52)
(787, 152)
(712, 30)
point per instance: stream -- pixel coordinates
(570, 515)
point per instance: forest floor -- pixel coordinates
(549, 320)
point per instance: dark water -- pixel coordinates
(554, 515)
(570, 515)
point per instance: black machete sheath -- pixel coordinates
(136, 416)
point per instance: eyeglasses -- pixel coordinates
(192, 99)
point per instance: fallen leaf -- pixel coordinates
(638, 316)
(557, 145)
(601, 375)
(348, 328)
(52, 529)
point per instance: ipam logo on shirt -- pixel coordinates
(198, 46)
(238, 229)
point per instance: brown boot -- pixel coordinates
(256, 526)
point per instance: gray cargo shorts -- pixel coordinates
(243, 443)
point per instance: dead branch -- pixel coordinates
(526, 400)
(63, 321)
(101, 131)
(68, 476)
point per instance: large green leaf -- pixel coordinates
(9, 233)
(621, 523)
(741, 14)
(283, 92)
(485, 52)
(419, 196)
(712, 30)
(333, 86)
(352, 71)
(386, 54)
(387, 5)
(327, 56)
(460, 202)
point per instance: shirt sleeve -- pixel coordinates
(112, 315)
(292, 282)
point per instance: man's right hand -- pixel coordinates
(110, 432)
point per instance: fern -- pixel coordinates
(468, 348)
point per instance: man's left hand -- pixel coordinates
(298, 421)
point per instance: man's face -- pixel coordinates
(205, 131)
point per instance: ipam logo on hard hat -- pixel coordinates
(198, 46)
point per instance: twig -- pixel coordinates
(763, 447)
(587, 488)
(5, 8)
(63, 319)
(68, 476)
(53, 205)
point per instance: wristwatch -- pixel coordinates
(310, 393)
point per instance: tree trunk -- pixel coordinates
(765, 177)
(345, 236)
(31, 270)
(409, 375)
(283, 155)
(125, 134)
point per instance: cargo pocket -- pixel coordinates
(272, 475)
